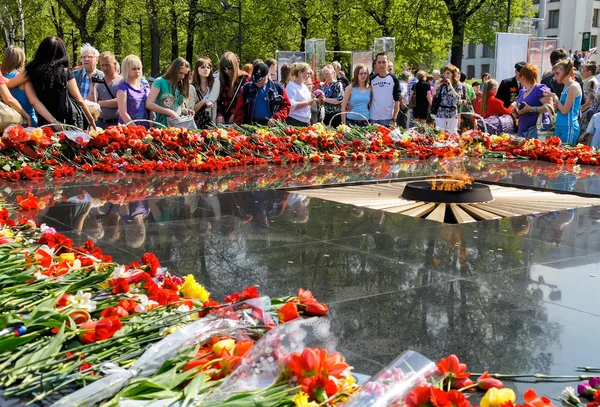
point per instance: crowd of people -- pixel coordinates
(46, 91)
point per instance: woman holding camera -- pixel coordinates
(531, 101)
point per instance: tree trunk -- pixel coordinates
(154, 38)
(191, 28)
(303, 31)
(57, 22)
(78, 12)
(8, 25)
(118, 29)
(335, 25)
(21, 17)
(458, 38)
(174, 33)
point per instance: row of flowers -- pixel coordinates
(33, 154)
(78, 329)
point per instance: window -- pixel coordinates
(595, 17)
(553, 1)
(536, 1)
(471, 52)
(553, 18)
(485, 68)
(487, 51)
(470, 71)
(593, 41)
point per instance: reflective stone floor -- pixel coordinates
(516, 295)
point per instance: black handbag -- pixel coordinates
(437, 101)
(70, 112)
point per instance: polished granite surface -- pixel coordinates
(513, 295)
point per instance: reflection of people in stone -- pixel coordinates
(133, 215)
(297, 209)
(550, 226)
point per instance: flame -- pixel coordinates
(456, 179)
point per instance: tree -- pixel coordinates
(79, 12)
(459, 12)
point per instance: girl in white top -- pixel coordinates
(299, 96)
(204, 92)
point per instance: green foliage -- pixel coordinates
(422, 28)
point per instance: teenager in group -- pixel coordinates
(206, 92)
(531, 100)
(567, 114)
(48, 74)
(231, 80)
(169, 92)
(450, 93)
(300, 97)
(385, 89)
(490, 105)
(13, 63)
(104, 92)
(358, 95)
(131, 94)
(334, 94)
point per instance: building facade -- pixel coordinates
(566, 20)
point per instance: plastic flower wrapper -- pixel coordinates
(262, 366)
(390, 386)
(241, 315)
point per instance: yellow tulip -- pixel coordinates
(496, 397)
(67, 257)
(225, 344)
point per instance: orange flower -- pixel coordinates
(305, 364)
(532, 399)
(288, 312)
(454, 370)
(426, 395)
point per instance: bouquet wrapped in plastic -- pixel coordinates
(290, 365)
(391, 385)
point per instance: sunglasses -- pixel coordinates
(228, 68)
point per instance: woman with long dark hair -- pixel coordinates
(169, 92)
(232, 80)
(48, 76)
(205, 93)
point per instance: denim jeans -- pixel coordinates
(384, 122)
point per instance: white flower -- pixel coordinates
(569, 396)
(39, 276)
(120, 272)
(76, 265)
(83, 301)
(184, 308)
(143, 303)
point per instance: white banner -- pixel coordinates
(510, 49)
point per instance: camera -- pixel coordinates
(522, 106)
(97, 79)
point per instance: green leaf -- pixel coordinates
(14, 342)
(193, 388)
(46, 352)
(7, 320)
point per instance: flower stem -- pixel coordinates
(539, 376)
